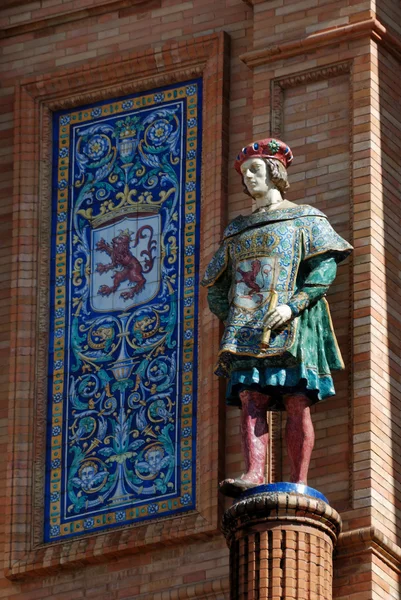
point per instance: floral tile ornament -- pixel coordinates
(123, 334)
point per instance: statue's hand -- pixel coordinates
(277, 317)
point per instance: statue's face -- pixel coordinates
(256, 176)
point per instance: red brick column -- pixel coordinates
(281, 547)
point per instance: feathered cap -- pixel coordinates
(268, 148)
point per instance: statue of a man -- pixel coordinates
(267, 282)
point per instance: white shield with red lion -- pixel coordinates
(125, 267)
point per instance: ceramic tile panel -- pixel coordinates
(124, 294)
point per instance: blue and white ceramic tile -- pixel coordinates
(124, 277)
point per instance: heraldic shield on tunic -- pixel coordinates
(123, 332)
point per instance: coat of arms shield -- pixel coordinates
(254, 282)
(125, 263)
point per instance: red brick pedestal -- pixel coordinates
(281, 547)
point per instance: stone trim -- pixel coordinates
(369, 540)
(36, 98)
(369, 27)
(212, 589)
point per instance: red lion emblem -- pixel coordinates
(127, 266)
(249, 277)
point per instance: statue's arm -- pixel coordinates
(217, 296)
(321, 275)
(217, 279)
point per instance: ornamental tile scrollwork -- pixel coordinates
(123, 335)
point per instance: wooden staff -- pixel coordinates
(267, 332)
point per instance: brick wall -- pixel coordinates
(344, 127)
(385, 307)
(193, 568)
(188, 570)
(277, 21)
(389, 13)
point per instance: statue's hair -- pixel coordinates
(278, 175)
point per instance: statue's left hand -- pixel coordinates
(277, 317)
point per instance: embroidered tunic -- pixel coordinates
(287, 256)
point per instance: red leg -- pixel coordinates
(300, 435)
(254, 435)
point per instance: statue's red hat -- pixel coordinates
(268, 148)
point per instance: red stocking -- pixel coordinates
(254, 435)
(300, 436)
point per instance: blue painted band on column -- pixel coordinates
(286, 488)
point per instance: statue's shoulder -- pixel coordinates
(305, 210)
(235, 226)
(242, 223)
